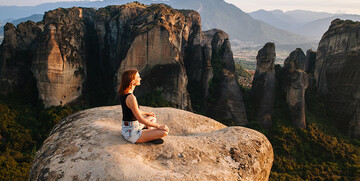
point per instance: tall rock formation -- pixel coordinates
(16, 53)
(212, 80)
(291, 78)
(296, 60)
(156, 53)
(337, 73)
(310, 69)
(59, 61)
(263, 85)
(295, 82)
(88, 145)
(81, 51)
(78, 55)
(295, 96)
(310, 61)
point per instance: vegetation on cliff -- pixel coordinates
(24, 126)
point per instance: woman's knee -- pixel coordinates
(153, 119)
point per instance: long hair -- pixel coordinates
(125, 83)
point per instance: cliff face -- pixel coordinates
(89, 146)
(79, 54)
(59, 61)
(337, 73)
(156, 53)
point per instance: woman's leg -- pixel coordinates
(151, 134)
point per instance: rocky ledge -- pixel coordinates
(88, 145)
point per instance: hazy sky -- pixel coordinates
(332, 6)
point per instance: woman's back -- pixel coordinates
(128, 115)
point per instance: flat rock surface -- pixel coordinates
(88, 145)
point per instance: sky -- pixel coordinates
(331, 6)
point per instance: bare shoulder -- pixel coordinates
(131, 100)
(131, 97)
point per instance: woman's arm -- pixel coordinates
(147, 113)
(131, 102)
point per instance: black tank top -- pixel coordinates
(128, 115)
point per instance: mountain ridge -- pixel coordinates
(306, 23)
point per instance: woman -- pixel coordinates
(133, 120)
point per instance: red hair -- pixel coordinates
(125, 82)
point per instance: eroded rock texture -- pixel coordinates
(337, 73)
(89, 146)
(263, 86)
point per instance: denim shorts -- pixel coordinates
(133, 131)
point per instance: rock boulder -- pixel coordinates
(88, 145)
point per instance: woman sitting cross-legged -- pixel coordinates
(133, 120)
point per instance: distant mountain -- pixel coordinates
(214, 13)
(274, 19)
(17, 12)
(3, 22)
(238, 24)
(34, 17)
(305, 23)
(317, 28)
(290, 20)
(302, 17)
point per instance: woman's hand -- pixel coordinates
(150, 114)
(163, 127)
